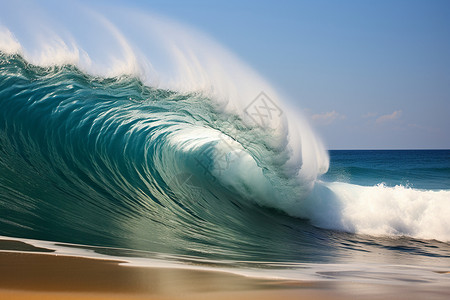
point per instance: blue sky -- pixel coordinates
(367, 74)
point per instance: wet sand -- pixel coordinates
(31, 275)
(50, 276)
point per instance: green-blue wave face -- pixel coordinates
(107, 162)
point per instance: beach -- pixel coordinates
(27, 272)
(51, 276)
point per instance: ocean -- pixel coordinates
(88, 161)
(109, 165)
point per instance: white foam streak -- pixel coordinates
(55, 51)
(126, 64)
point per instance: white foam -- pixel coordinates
(379, 210)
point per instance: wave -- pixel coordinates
(114, 161)
(156, 141)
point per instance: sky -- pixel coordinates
(366, 74)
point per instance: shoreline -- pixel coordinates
(32, 272)
(51, 276)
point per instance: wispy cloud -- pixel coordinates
(389, 117)
(327, 117)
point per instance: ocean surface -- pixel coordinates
(96, 164)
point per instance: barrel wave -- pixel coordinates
(155, 138)
(109, 161)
